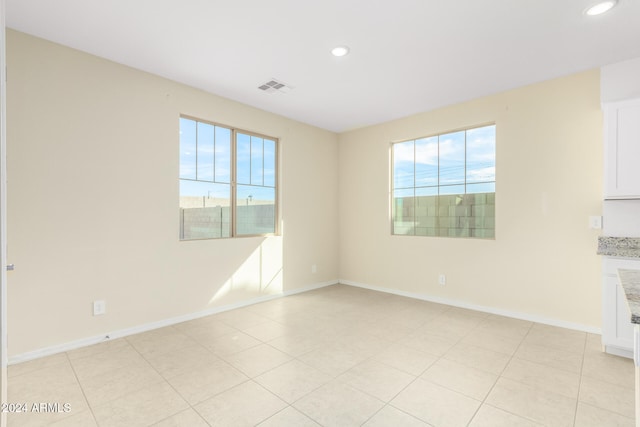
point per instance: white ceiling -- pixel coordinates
(407, 56)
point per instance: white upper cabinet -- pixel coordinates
(622, 149)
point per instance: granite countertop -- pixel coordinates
(627, 247)
(630, 281)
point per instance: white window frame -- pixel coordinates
(438, 186)
(234, 183)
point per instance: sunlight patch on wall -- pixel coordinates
(261, 273)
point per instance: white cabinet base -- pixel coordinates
(636, 362)
(617, 351)
(617, 329)
(637, 396)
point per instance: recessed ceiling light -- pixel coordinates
(600, 8)
(340, 51)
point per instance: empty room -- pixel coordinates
(410, 213)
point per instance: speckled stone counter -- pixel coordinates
(627, 247)
(630, 281)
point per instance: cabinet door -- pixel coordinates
(622, 149)
(617, 329)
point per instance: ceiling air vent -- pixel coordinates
(273, 86)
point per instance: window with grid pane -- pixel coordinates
(227, 180)
(444, 185)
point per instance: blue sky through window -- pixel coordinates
(453, 163)
(205, 163)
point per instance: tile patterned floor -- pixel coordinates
(337, 356)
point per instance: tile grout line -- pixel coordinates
(484, 401)
(417, 377)
(584, 351)
(293, 358)
(165, 380)
(223, 359)
(251, 378)
(75, 374)
(370, 356)
(201, 345)
(336, 378)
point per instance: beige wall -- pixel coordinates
(93, 201)
(549, 180)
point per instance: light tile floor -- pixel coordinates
(337, 356)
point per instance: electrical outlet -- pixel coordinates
(99, 307)
(314, 269)
(442, 279)
(595, 222)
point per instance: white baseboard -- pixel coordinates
(48, 351)
(622, 352)
(485, 309)
(84, 342)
